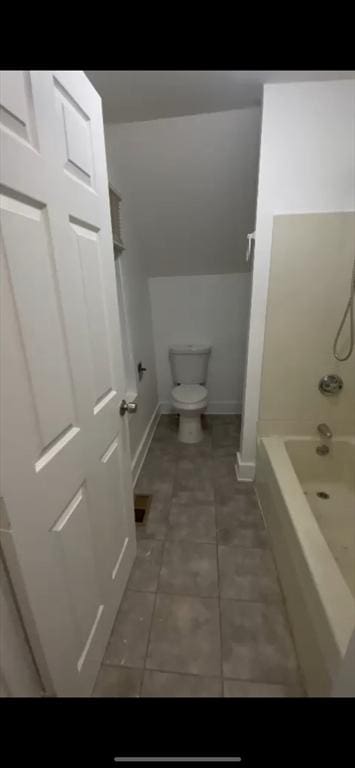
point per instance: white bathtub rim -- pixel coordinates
(311, 438)
(331, 585)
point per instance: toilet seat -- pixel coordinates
(189, 396)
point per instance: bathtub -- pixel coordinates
(313, 540)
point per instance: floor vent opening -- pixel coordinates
(142, 504)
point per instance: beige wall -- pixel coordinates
(311, 263)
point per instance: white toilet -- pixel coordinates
(189, 395)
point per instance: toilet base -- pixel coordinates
(190, 428)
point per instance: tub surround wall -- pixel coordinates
(311, 265)
(203, 309)
(307, 164)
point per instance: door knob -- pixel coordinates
(127, 408)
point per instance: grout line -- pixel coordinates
(275, 603)
(219, 593)
(187, 674)
(148, 643)
(158, 591)
(121, 666)
(168, 502)
(247, 681)
(197, 675)
(242, 549)
(152, 617)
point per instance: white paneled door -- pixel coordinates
(67, 521)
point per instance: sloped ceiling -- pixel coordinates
(189, 184)
(130, 95)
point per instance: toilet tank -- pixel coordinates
(189, 363)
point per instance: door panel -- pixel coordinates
(16, 108)
(65, 466)
(115, 534)
(26, 235)
(72, 539)
(76, 130)
(88, 245)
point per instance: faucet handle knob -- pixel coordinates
(330, 384)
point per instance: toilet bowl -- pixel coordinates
(190, 400)
(189, 395)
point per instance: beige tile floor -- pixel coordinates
(203, 614)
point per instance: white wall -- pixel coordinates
(192, 182)
(307, 164)
(210, 309)
(189, 185)
(135, 286)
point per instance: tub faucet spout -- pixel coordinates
(324, 430)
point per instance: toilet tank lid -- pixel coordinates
(190, 349)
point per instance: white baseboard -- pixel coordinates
(224, 406)
(214, 407)
(143, 447)
(245, 470)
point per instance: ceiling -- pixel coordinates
(130, 96)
